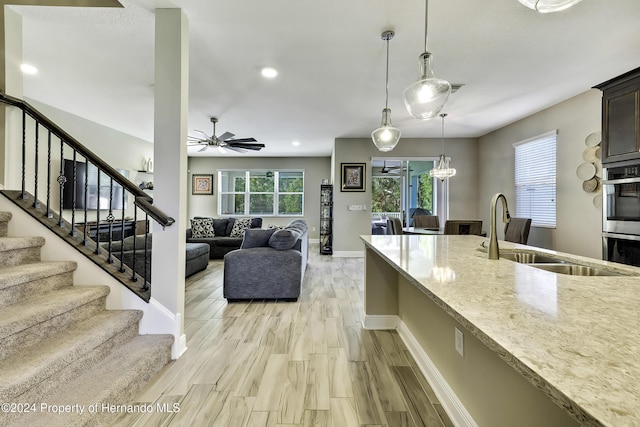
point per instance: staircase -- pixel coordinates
(60, 346)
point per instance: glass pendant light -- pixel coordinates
(425, 98)
(548, 6)
(386, 136)
(442, 171)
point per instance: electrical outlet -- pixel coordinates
(313, 229)
(459, 341)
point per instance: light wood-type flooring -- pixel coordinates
(304, 363)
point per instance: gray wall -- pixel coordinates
(315, 169)
(463, 194)
(578, 220)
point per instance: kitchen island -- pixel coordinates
(539, 348)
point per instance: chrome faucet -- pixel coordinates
(493, 251)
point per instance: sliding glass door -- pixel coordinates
(402, 188)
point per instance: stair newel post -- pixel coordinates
(110, 219)
(61, 180)
(73, 194)
(23, 193)
(36, 204)
(48, 213)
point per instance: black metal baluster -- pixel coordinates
(110, 218)
(122, 235)
(86, 191)
(121, 269)
(97, 213)
(73, 194)
(133, 261)
(147, 274)
(48, 213)
(36, 204)
(61, 180)
(23, 193)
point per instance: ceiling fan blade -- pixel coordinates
(226, 136)
(204, 133)
(241, 140)
(203, 148)
(246, 146)
(236, 149)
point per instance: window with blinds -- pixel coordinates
(535, 177)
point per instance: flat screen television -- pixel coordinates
(94, 195)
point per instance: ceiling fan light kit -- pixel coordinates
(425, 98)
(386, 137)
(548, 6)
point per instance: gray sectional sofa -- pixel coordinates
(222, 241)
(269, 265)
(196, 256)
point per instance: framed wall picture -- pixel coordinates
(202, 184)
(353, 176)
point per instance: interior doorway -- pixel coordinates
(402, 188)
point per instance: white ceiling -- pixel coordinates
(99, 64)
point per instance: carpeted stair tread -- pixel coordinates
(16, 275)
(36, 363)
(115, 380)
(14, 243)
(40, 308)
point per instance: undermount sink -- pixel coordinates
(575, 269)
(530, 258)
(556, 265)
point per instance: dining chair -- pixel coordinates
(463, 226)
(426, 221)
(517, 230)
(397, 225)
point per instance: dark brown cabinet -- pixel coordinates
(621, 117)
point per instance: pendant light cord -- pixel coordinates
(443, 115)
(386, 86)
(426, 22)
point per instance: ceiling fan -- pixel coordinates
(224, 141)
(391, 169)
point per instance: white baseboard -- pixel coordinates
(348, 254)
(159, 320)
(450, 402)
(373, 322)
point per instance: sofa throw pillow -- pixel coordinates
(256, 238)
(202, 228)
(239, 226)
(284, 239)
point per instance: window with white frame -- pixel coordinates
(261, 192)
(535, 178)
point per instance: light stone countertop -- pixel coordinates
(577, 338)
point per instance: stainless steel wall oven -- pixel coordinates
(621, 214)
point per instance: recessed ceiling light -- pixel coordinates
(295, 143)
(269, 72)
(28, 69)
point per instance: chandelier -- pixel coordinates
(442, 171)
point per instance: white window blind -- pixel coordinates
(535, 177)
